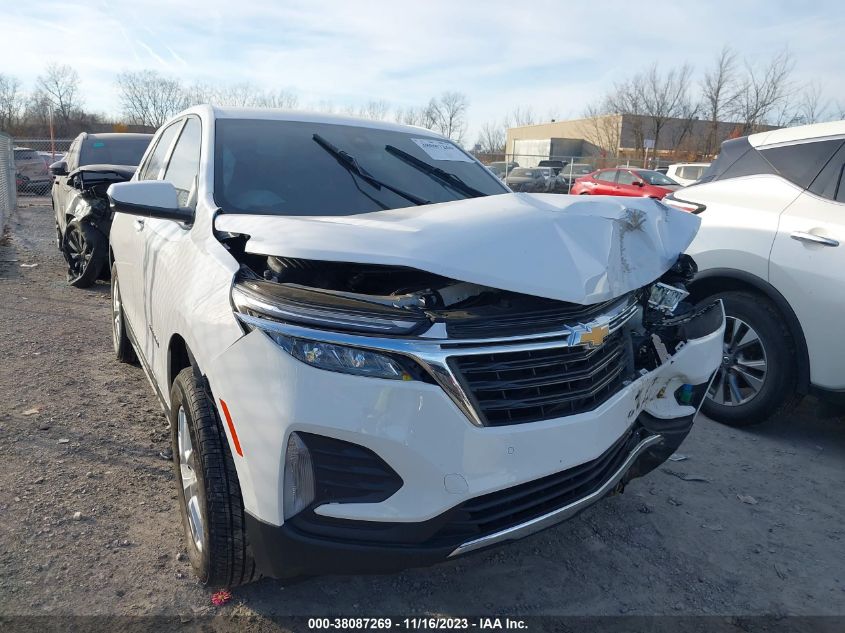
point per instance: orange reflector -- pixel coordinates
(231, 427)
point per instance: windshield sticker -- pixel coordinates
(441, 150)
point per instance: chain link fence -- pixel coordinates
(32, 160)
(543, 173)
(8, 186)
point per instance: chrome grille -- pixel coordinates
(533, 385)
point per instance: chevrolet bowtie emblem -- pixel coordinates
(592, 335)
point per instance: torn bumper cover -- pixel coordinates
(476, 469)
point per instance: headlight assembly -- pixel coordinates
(343, 359)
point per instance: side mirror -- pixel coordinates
(59, 168)
(638, 183)
(148, 198)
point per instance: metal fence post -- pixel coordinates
(7, 179)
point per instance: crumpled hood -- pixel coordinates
(569, 248)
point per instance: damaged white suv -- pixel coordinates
(373, 355)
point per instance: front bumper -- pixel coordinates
(452, 470)
(354, 547)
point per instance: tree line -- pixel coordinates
(749, 94)
(148, 99)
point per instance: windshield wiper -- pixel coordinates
(350, 164)
(445, 177)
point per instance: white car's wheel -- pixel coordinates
(757, 376)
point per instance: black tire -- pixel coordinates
(86, 250)
(123, 349)
(770, 388)
(224, 560)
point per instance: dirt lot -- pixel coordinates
(758, 530)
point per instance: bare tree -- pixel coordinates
(763, 92)
(283, 99)
(492, 137)
(603, 127)
(374, 109)
(718, 94)
(521, 116)
(60, 86)
(448, 115)
(148, 98)
(626, 98)
(663, 96)
(813, 105)
(11, 102)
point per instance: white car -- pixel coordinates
(372, 355)
(772, 207)
(686, 173)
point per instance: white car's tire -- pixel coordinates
(757, 378)
(208, 490)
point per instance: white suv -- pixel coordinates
(686, 173)
(373, 355)
(772, 207)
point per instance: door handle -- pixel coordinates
(139, 224)
(812, 238)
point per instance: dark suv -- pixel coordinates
(83, 217)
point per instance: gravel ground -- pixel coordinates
(89, 523)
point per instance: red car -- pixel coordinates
(621, 181)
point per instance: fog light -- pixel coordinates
(299, 477)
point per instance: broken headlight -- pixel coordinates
(665, 298)
(311, 308)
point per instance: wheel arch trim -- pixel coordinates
(712, 281)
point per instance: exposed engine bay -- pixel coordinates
(420, 300)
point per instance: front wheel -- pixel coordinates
(120, 338)
(85, 250)
(209, 492)
(757, 377)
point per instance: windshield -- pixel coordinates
(655, 178)
(113, 150)
(276, 167)
(524, 172)
(578, 169)
(25, 154)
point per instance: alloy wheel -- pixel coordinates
(78, 251)
(742, 373)
(190, 485)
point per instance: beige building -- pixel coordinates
(618, 135)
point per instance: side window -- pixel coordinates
(830, 183)
(626, 178)
(800, 163)
(606, 176)
(183, 168)
(156, 160)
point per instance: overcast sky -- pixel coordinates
(553, 56)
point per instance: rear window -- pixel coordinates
(800, 163)
(25, 154)
(736, 158)
(276, 167)
(691, 172)
(113, 150)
